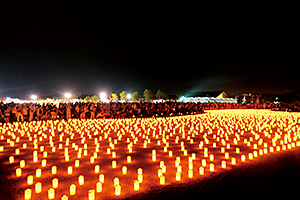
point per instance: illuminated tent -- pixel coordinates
(207, 97)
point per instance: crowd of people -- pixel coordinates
(28, 112)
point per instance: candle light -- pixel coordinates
(72, 189)
(201, 170)
(223, 164)
(27, 194)
(38, 173)
(22, 163)
(101, 178)
(211, 167)
(51, 193)
(233, 161)
(91, 194)
(53, 169)
(81, 180)
(97, 169)
(29, 180)
(118, 190)
(70, 170)
(124, 170)
(162, 180)
(178, 176)
(55, 183)
(18, 172)
(128, 159)
(38, 187)
(136, 186)
(77, 162)
(190, 173)
(98, 187)
(114, 164)
(44, 163)
(11, 159)
(140, 178)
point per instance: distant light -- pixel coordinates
(33, 97)
(128, 96)
(103, 96)
(68, 95)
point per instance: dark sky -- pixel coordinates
(52, 48)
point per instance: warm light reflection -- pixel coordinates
(143, 152)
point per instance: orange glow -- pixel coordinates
(114, 164)
(27, 194)
(118, 190)
(38, 187)
(38, 173)
(55, 183)
(98, 187)
(124, 170)
(141, 150)
(136, 185)
(18, 172)
(211, 167)
(11, 159)
(101, 178)
(70, 170)
(51, 193)
(81, 180)
(72, 189)
(53, 169)
(162, 180)
(91, 194)
(29, 180)
(178, 176)
(201, 170)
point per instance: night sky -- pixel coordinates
(52, 48)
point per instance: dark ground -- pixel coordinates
(268, 177)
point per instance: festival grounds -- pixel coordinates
(220, 153)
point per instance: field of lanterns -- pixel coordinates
(117, 158)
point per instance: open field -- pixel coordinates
(217, 153)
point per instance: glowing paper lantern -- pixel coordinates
(128, 159)
(55, 183)
(101, 178)
(72, 189)
(30, 180)
(11, 159)
(201, 170)
(77, 162)
(136, 185)
(64, 197)
(223, 164)
(243, 158)
(44, 163)
(70, 170)
(211, 167)
(27, 194)
(18, 172)
(114, 164)
(92, 159)
(38, 173)
(124, 170)
(233, 161)
(22, 163)
(203, 162)
(190, 173)
(98, 187)
(140, 178)
(51, 193)
(38, 187)
(91, 194)
(178, 176)
(53, 169)
(81, 180)
(162, 180)
(118, 190)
